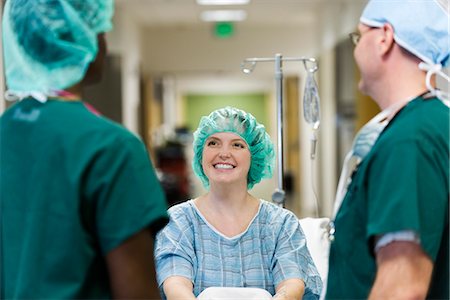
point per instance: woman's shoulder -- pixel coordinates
(181, 210)
(180, 219)
(274, 214)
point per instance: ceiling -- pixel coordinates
(259, 12)
(180, 43)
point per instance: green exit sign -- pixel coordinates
(223, 29)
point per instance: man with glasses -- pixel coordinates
(390, 229)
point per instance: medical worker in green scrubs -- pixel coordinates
(79, 197)
(390, 232)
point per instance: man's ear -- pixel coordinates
(387, 39)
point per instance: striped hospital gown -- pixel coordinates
(272, 249)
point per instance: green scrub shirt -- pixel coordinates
(402, 184)
(73, 187)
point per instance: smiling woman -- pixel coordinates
(245, 126)
(227, 237)
(226, 159)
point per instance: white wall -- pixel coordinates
(125, 41)
(190, 50)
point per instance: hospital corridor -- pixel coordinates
(224, 149)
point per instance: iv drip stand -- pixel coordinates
(247, 66)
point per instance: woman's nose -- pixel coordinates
(224, 153)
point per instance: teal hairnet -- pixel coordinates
(239, 122)
(49, 44)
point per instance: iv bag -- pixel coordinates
(311, 102)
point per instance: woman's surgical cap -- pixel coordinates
(49, 44)
(239, 122)
(420, 26)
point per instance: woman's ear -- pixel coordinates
(387, 39)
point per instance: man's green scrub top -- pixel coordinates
(73, 186)
(402, 184)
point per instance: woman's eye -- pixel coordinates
(239, 145)
(211, 143)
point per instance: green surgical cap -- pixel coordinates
(49, 44)
(239, 122)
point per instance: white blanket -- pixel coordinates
(234, 293)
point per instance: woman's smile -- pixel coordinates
(226, 158)
(223, 166)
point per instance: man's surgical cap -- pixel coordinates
(239, 122)
(49, 44)
(420, 26)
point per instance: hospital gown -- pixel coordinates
(272, 249)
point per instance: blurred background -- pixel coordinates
(172, 61)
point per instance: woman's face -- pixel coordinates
(226, 158)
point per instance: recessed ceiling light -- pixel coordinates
(223, 15)
(223, 2)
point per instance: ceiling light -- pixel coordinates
(223, 15)
(223, 2)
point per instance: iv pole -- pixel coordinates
(247, 66)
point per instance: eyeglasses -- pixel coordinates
(355, 37)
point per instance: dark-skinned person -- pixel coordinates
(80, 202)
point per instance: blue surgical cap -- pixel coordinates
(49, 44)
(230, 119)
(420, 26)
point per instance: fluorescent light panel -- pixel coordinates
(223, 15)
(223, 2)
